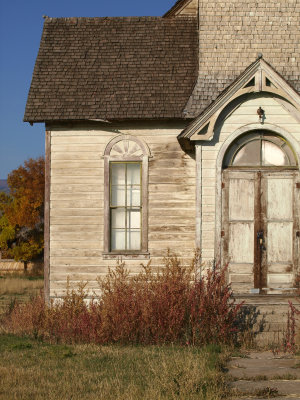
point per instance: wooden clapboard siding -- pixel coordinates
(77, 202)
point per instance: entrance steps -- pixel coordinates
(264, 317)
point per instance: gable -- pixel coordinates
(259, 77)
(183, 8)
(113, 69)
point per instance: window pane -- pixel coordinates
(133, 196)
(248, 154)
(118, 196)
(134, 240)
(289, 152)
(118, 218)
(118, 239)
(133, 174)
(118, 174)
(273, 155)
(125, 203)
(134, 219)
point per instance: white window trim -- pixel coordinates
(143, 158)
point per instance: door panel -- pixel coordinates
(278, 219)
(279, 242)
(241, 245)
(241, 199)
(279, 198)
(238, 240)
(259, 229)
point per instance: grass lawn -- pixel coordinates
(18, 286)
(33, 370)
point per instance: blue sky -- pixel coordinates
(21, 25)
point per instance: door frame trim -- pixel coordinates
(227, 143)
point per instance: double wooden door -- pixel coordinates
(260, 229)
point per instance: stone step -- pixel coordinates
(263, 375)
(271, 387)
(266, 316)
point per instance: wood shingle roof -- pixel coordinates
(113, 69)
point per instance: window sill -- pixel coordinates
(126, 256)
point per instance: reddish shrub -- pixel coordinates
(167, 306)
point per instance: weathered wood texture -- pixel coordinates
(47, 216)
(77, 203)
(245, 114)
(183, 9)
(191, 8)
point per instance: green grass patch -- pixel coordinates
(35, 370)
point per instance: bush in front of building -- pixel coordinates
(176, 304)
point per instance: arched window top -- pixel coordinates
(126, 147)
(260, 149)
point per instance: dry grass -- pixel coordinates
(18, 287)
(33, 370)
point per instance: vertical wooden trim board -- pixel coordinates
(106, 238)
(198, 149)
(145, 168)
(47, 217)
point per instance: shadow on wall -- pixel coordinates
(250, 323)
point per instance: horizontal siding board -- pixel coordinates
(165, 237)
(76, 188)
(76, 244)
(79, 220)
(76, 228)
(65, 148)
(171, 219)
(166, 178)
(65, 180)
(83, 172)
(172, 228)
(67, 236)
(77, 196)
(82, 139)
(76, 212)
(76, 155)
(76, 204)
(75, 252)
(84, 164)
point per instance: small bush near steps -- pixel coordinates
(170, 306)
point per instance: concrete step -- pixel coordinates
(265, 316)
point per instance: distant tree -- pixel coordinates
(22, 212)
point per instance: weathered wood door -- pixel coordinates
(260, 229)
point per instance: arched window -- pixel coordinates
(126, 196)
(260, 149)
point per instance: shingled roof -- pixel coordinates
(113, 69)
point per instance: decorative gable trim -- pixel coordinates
(258, 77)
(183, 8)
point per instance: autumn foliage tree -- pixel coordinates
(22, 212)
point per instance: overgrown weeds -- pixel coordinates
(173, 305)
(35, 370)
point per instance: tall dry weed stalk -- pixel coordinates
(172, 305)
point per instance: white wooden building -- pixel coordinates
(177, 132)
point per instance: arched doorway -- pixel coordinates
(260, 213)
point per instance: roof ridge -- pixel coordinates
(108, 18)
